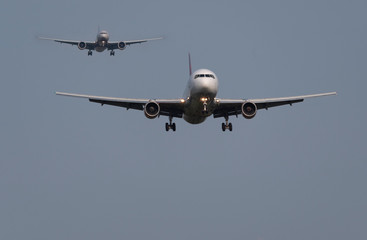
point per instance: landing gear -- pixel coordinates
(112, 53)
(227, 125)
(170, 125)
(205, 106)
(90, 53)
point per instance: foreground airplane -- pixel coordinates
(102, 43)
(199, 102)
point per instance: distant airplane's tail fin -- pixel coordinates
(190, 69)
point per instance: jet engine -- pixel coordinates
(121, 45)
(151, 109)
(249, 110)
(82, 45)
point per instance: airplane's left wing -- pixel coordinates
(122, 44)
(84, 45)
(168, 107)
(228, 107)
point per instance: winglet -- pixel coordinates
(190, 69)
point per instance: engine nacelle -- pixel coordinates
(249, 110)
(82, 45)
(121, 45)
(152, 109)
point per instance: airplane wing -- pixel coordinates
(168, 107)
(115, 45)
(89, 45)
(228, 107)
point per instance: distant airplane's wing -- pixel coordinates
(173, 107)
(88, 45)
(228, 107)
(122, 44)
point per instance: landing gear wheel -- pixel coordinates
(170, 125)
(167, 127)
(90, 53)
(112, 53)
(173, 127)
(226, 125)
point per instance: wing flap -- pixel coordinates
(127, 105)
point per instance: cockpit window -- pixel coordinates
(204, 75)
(210, 75)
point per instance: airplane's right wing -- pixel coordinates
(141, 41)
(80, 44)
(228, 107)
(167, 107)
(122, 44)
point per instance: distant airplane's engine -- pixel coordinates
(121, 45)
(249, 110)
(82, 45)
(151, 109)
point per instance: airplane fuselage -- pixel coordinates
(199, 95)
(101, 41)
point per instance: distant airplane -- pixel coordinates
(199, 102)
(102, 43)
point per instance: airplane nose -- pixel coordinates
(103, 37)
(206, 86)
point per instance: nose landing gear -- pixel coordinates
(90, 53)
(205, 106)
(112, 53)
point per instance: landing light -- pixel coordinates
(204, 99)
(182, 100)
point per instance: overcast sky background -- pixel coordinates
(70, 169)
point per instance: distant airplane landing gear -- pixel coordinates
(112, 53)
(90, 53)
(227, 125)
(170, 125)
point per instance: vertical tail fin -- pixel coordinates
(190, 69)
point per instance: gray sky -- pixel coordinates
(71, 169)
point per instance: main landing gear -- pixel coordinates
(227, 125)
(90, 53)
(112, 53)
(170, 125)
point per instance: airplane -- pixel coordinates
(198, 102)
(102, 43)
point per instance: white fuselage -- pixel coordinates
(102, 40)
(199, 95)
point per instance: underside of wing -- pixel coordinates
(228, 107)
(167, 107)
(80, 44)
(122, 44)
(141, 41)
